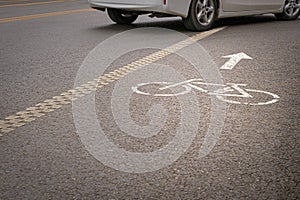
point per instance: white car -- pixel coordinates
(197, 15)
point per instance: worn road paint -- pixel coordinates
(234, 60)
(30, 114)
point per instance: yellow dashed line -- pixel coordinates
(27, 17)
(12, 1)
(35, 3)
(30, 114)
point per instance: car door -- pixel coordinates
(250, 5)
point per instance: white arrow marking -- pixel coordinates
(234, 60)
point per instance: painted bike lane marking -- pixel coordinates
(223, 91)
(30, 114)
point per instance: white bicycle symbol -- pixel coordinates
(223, 91)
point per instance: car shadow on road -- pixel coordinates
(247, 20)
(177, 25)
(171, 23)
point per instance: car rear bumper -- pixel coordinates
(137, 5)
(128, 5)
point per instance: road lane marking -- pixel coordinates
(224, 90)
(234, 60)
(13, 1)
(30, 114)
(28, 17)
(35, 3)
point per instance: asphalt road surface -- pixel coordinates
(223, 141)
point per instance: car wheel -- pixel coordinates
(202, 15)
(291, 10)
(121, 17)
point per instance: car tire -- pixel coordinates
(291, 10)
(121, 17)
(202, 15)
